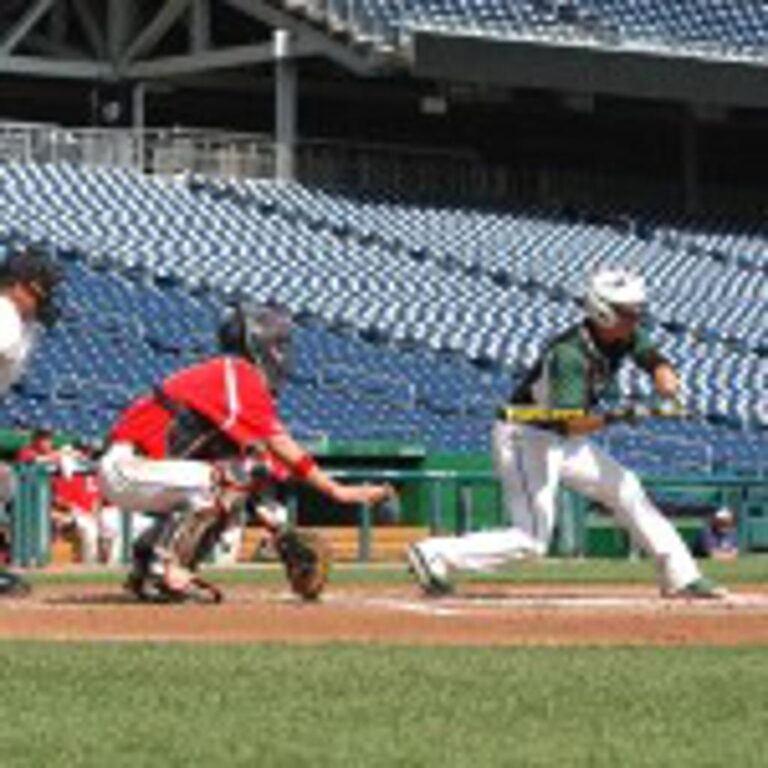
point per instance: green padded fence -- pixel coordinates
(447, 501)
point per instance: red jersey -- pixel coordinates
(228, 392)
(79, 491)
(32, 452)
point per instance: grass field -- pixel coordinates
(747, 570)
(143, 704)
(181, 705)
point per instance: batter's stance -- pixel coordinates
(575, 371)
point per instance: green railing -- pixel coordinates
(747, 497)
(736, 492)
(30, 518)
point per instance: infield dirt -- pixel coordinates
(497, 615)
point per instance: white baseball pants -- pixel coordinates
(138, 484)
(531, 463)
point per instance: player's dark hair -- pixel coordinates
(34, 267)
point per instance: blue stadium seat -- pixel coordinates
(428, 312)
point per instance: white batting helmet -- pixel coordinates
(609, 291)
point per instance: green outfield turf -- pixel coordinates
(113, 705)
(746, 570)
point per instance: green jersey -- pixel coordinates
(575, 371)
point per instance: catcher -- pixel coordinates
(575, 372)
(203, 443)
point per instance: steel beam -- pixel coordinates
(200, 26)
(151, 35)
(286, 105)
(187, 64)
(35, 66)
(339, 53)
(92, 30)
(24, 25)
(50, 46)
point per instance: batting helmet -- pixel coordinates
(261, 334)
(36, 269)
(611, 293)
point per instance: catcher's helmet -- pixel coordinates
(34, 268)
(261, 334)
(611, 293)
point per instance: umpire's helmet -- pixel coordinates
(37, 270)
(261, 334)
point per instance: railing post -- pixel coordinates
(292, 505)
(364, 534)
(30, 517)
(18, 518)
(435, 506)
(464, 517)
(571, 524)
(126, 536)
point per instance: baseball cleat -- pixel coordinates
(13, 585)
(701, 589)
(432, 584)
(135, 584)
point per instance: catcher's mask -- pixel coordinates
(263, 335)
(39, 273)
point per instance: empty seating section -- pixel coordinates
(413, 320)
(722, 27)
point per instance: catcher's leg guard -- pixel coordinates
(142, 559)
(184, 542)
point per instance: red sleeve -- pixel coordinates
(77, 491)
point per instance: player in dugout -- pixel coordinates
(576, 370)
(28, 281)
(167, 449)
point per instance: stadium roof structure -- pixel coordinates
(576, 67)
(155, 40)
(147, 39)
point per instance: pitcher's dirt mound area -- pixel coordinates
(479, 615)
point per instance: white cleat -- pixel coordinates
(700, 589)
(431, 573)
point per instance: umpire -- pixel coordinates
(28, 281)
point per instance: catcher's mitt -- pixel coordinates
(307, 559)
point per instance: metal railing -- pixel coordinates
(446, 174)
(31, 528)
(175, 152)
